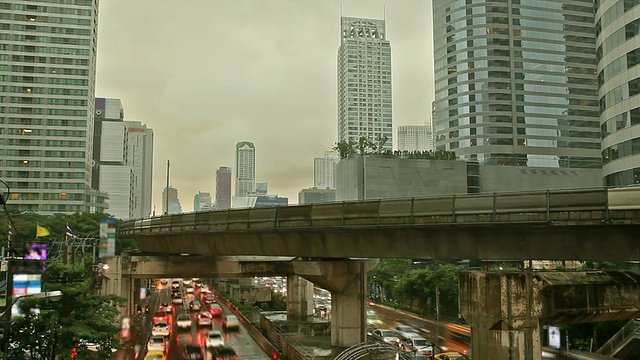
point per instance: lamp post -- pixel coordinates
(6, 314)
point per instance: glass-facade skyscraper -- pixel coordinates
(618, 51)
(47, 87)
(516, 82)
(364, 82)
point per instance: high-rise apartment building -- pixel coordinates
(140, 159)
(245, 168)
(223, 188)
(364, 82)
(516, 82)
(47, 87)
(173, 202)
(415, 138)
(324, 170)
(618, 51)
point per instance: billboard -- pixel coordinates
(107, 237)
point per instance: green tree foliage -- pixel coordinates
(385, 274)
(366, 146)
(78, 315)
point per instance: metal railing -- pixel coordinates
(630, 330)
(580, 205)
(374, 350)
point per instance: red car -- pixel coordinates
(215, 309)
(209, 299)
(161, 316)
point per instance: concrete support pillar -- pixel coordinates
(299, 298)
(346, 280)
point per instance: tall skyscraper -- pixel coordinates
(202, 201)
(324, 170)
(617, 24)
(245, 168)
(364, 82)
(415, 138)
(111, 172)
(47, 87)
(140, 159)
(173, 202)
(516, 83)
(223, 188)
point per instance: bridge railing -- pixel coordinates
(535, 206)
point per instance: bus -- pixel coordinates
(457, 338)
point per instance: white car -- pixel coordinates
(190, 290)
(204, 319)
(157, 343)
(183, 320)
(177, 300)
(160, 328)
(215, 339)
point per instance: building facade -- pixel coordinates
(316, 196)
(173, 202)
(47, 88)
(223, 188)
(202, 201)
(324, 170)
(618, 51)
(364, 82)
(140, 159)
(415, 138)
(516, 82)
(245, 168)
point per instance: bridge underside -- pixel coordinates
(489, 242)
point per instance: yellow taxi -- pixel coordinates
(155, 355)
(450, 355)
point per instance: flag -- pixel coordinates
(41, 231)
(70, 233)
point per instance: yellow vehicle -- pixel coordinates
(457, 338)
(155, 355)
(451, 355)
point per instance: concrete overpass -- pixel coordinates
(583, 224)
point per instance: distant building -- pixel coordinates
(245, 168)
(173, 202)
(223, 188)
(415, 138)
(202, 201)
(364, 81)
(262, 188)
(324, 170)
(316, 196)
(140, 159)
(243, 202)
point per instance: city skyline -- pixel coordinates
(270, 82)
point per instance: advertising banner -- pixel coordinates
(107, 237)
(554, 337)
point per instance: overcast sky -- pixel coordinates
(205, 74)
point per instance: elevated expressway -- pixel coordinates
(582, 224)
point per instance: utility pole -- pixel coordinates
(166, 192)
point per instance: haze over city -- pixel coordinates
(207, 74)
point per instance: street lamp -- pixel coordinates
(51, 295)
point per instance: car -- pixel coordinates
(223, 353)
(195, 305)
(186, 282)
(160, 316)
(155, 355)
(204, 319)
(183, 320)
(177, 300)
(405, 331)
(417, 345)
(450, 355)
(192, 351)
(209, 299)
(215, 309)
(157, 343)
(214, 339)
(166, 307)
(230, 322)
(175, 284)
(386, 335)
(190, 290)
(161, 328)
(164, 281)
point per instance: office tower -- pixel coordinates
(516, 83)
(364, 82)
(173, 202)
(47, 87)
(111, 172)
(324, 170)
(245, 168)
(415, 138)
(202, 201)
(262, 188)
(140, 159)
(223, 188)
(617, 24)
(316, 196)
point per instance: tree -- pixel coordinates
(385, 274)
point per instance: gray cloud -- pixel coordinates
(205, 74)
